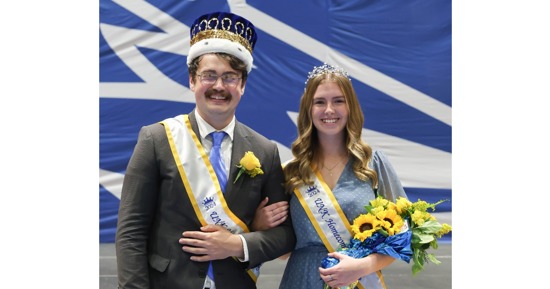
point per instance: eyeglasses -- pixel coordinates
(230, 79)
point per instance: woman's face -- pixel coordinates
(329, 110)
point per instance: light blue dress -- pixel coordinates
(352, 194)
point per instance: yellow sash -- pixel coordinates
(331, 224)
(204, 193)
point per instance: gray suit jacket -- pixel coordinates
(155, 210)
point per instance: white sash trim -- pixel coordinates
(326, 215)
(193, 165)
(331, 223)
(206, 196)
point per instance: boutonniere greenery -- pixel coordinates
(249, 164)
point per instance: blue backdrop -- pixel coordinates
(398, 54)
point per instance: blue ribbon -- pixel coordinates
(397, 246)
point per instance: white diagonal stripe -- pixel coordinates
(358, 70)
(417, 165)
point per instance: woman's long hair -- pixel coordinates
(305, 148)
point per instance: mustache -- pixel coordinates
(211, 92)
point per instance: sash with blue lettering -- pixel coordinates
(193, 164)
(331, 223)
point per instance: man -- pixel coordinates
(179, 226)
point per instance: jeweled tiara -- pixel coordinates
(326, 69)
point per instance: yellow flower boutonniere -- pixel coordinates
(249, 164)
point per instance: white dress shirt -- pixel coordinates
(227, 145)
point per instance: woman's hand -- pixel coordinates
(349, 269)
(271, 216)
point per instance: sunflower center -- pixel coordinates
(389, 221)
(365, 227)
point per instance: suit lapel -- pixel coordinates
(241, 144)
(194, 125)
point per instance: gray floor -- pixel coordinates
(397, 276)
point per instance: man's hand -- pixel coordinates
(212, 242)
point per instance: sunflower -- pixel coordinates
(391, 221)
(364, 226)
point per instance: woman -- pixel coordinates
(333, 175)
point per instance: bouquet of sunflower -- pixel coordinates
(403, 230)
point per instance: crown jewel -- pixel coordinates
(326, 69)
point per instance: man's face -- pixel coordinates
(217, 101)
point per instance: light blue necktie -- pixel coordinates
(218, 165)
(216, 157)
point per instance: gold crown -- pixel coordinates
(221, 34)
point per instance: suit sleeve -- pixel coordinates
(272, 243)
(137, 206)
